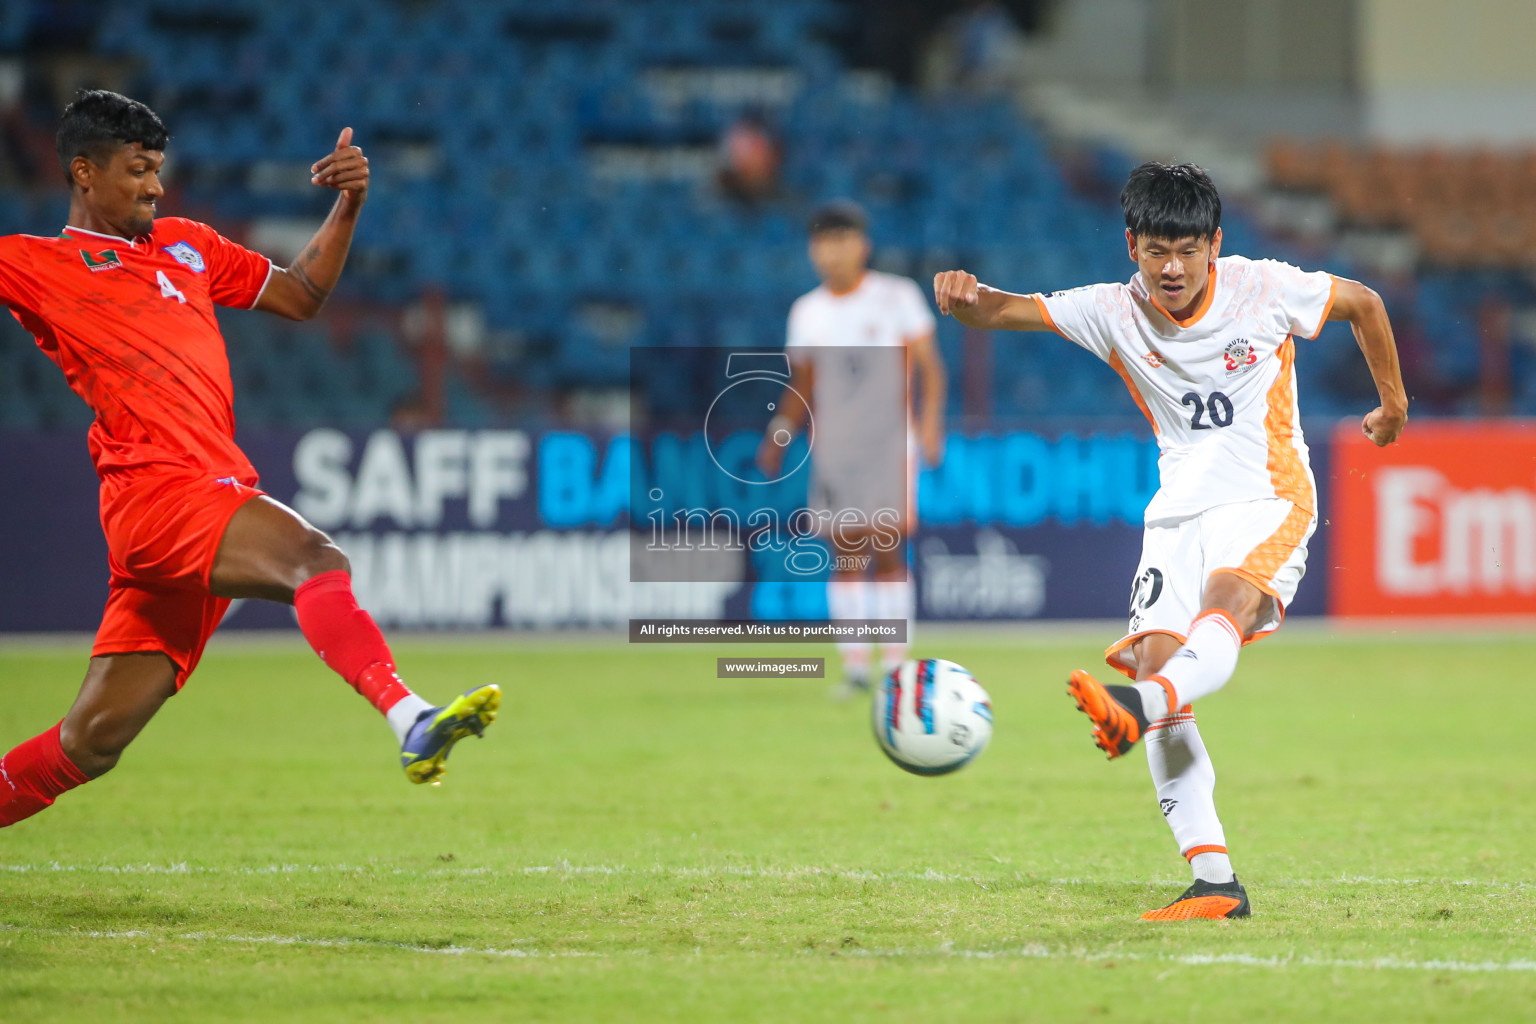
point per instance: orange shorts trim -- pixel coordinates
(1258, 581)
(1111, 652)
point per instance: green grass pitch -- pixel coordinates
(638, 840)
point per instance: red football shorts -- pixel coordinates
(163, 530)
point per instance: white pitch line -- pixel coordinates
(1029, 952)
(1037, 952)
(302, 941)
(789, 872)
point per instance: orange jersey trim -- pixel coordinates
(1045, 315)
(1204, 307)
(1118, 365)
(848, 291)
(1287, 473)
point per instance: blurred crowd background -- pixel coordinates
(556, 181)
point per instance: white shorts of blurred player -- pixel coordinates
(1263, 542)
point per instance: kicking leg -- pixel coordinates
(1228, 611)
(1121, 715)
(121, 693)
(269, 551)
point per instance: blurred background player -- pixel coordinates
(852, 395)
(124, 304)
(1204, 343)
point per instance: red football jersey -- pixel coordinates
(131, 324)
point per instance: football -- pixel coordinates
(931, 717)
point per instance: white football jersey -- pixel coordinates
(1218, 389)
(882, 309)
(856, 396)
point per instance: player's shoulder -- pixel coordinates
(1103, 294)
(20, 247)
(894, 287)
(882, 279)
(807, 302)
(21, 240)
(18, 242)
(1264, 267)
(169, 229)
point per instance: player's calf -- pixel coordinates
(34, 775)
(120, 694)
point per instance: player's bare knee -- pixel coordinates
(95, 743)
(322, 555)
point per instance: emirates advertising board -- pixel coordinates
(1443, 523)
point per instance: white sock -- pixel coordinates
(893, 599)
(849, 599)
(1199, 668)
(1186, 793)
(1212, 867)
(404, 714)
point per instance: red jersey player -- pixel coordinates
(124, 304)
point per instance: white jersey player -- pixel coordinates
(1206, 344)
(854, 342)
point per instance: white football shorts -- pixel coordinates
(1264, 542)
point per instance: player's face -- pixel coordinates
(123, 193)
(1175, 270)
(840, 256)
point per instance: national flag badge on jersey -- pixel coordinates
(184, 254)
(104, 260)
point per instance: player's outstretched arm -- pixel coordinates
(299, 290)
(974, 304)
(1367, 316)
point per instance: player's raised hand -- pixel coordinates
(1383, 427)
(954, 290)
(344, 168)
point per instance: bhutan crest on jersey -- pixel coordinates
(1240, 356)
(184, 254)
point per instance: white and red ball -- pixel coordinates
(931, 717)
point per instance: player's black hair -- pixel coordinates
(1171, 201)
(98, 122)
(841, 215)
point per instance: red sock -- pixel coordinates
(33, 775)
(347, 639)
